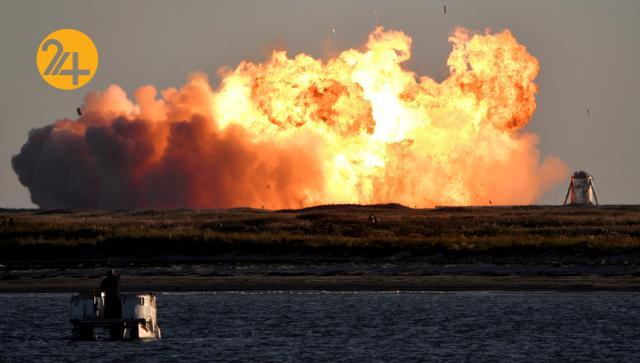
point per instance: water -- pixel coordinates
(343, 326)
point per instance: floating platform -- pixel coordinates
(137, 321)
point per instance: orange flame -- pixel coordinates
(357, 128)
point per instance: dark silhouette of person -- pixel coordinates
(109, 285)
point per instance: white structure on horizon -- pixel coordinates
(581, 190)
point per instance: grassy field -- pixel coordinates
(341, 230)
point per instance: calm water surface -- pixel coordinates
(343, 326)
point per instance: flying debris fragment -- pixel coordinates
(588, 113)
(445, 9)
(79, 111)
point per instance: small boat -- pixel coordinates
(137, 321)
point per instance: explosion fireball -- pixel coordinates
(295, 132)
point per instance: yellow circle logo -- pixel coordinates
(67, 59)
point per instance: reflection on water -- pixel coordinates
(334, 326)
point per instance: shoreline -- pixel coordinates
(582, 283)
(335, 247)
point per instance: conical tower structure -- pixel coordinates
(581, 190)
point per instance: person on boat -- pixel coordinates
(109, 285)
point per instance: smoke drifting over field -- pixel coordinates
(294, 132)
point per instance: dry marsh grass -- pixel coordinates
(341, 229)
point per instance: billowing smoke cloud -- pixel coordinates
(293, 132)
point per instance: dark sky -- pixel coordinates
(588, 52)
